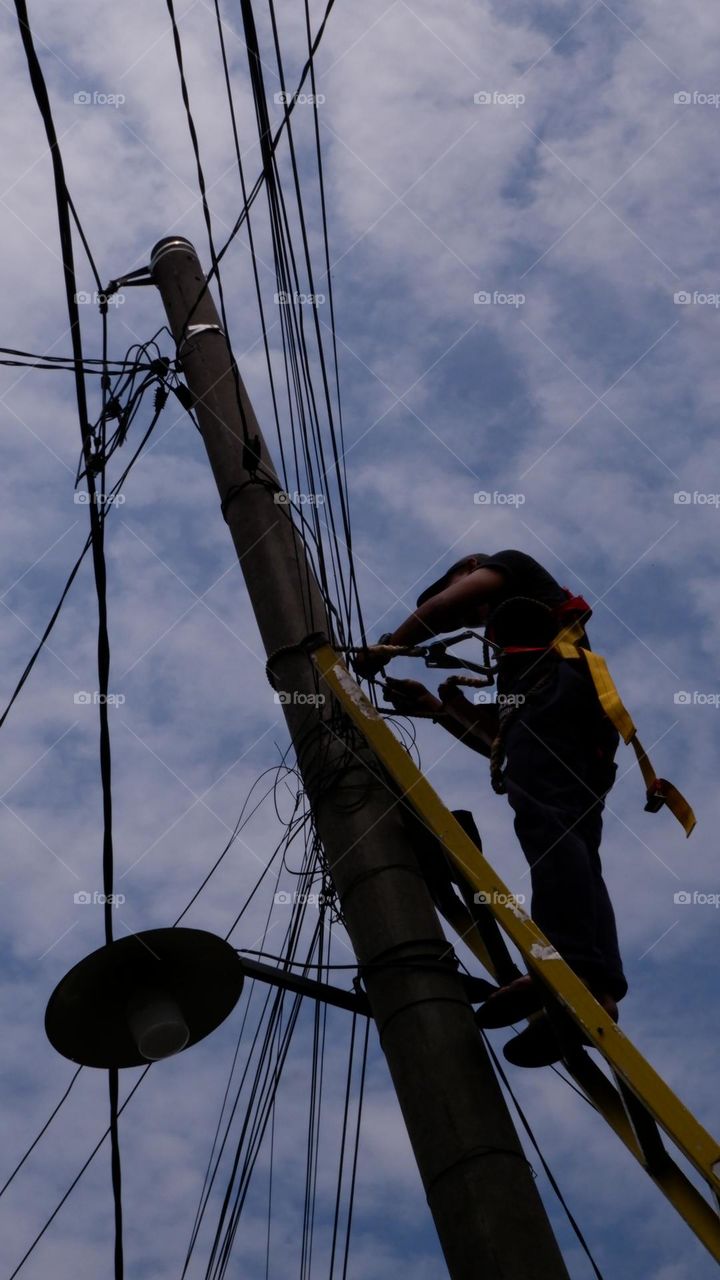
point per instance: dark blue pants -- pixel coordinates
(560, 750)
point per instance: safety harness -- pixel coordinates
(571, 614)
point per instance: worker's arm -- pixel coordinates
(473, 737)
(450, 608)
(464, 603)
(475, 726)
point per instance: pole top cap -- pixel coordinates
(171, 244)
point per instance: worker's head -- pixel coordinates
(461, 568)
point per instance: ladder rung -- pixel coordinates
(655, 1156)
(603, 1095)
(700, 1216)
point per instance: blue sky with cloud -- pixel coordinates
(593, 400)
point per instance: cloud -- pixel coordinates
(594, 398)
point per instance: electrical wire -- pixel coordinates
(343, 1136)
(44, 1130)
(107, 507)
(262, 1091)
(356, 1150)
(64, 208)
(48, 1222)
(64, 364)
(275, 142)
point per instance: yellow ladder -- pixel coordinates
(639, 1106)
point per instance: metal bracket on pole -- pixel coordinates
(353, 1001)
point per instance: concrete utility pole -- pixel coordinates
(487, 1211)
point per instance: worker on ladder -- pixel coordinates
(551, 749)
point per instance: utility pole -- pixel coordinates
(489, 1216)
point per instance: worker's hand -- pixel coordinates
(450, 693)
(370, 661)
(411, 698)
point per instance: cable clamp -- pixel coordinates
(252, 455)
(193, 330)
(312, 641)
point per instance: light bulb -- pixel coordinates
(157, 1024)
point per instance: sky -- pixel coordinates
(521, 213)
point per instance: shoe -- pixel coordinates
(477, 989)
(540, 1045)
(537, 1046)
(510, 1004)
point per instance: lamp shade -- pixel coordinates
(144, 997)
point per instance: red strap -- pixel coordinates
(573, 604)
